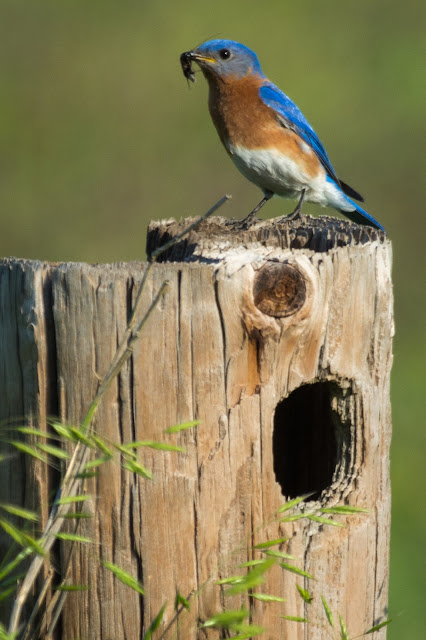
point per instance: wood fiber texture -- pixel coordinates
(209, 353)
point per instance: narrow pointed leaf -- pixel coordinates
(231, 580)
(124, 577)
(19, 511)
(343, 630)
(31, 451)
(152, 444)
(181, 601)
(326, 521)
(54, 451)
(30, 431)
(304, 594)
(22, 538)
(278, 554)
(270, 543)
(327, 611)
(377, 627)
(181, 427)
(72, 587)
(245, 631)
(137, 468)
(11, 566)
(294, 502)
(73, 537)
(297, 516)
(264, 597)
(96, 462)
(63, 431)
(72, 499)
(299, 572)
(155, 623)
(295, 619)
(5, 593)
(226, 619)
(101, 445)
(344, 510)
(251, 563)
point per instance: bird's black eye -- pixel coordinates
(225, 54)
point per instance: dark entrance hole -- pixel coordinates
(305, 441)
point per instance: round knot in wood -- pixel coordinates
(279, 289)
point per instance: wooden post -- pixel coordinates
(278, 339)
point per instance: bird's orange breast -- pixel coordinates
(242, 119)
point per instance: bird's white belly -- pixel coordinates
(271, 170)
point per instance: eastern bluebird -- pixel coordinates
(265, 133)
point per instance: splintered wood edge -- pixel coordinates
(316, 234)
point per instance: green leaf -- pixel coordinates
(152, 444)
(4, 635)
(295, 619)
(72, 537)
(76, 515)
(294, 502)
(377, 627)
(22, 538)
(72, 587)
(101, 445)
(231, 580)
(181, 427)
(54, 451)
(181, 601)
(11, 566)
(252, 579)
(326, 521)
(251, 563)
(297, 516)
(5, 593)
(63, 431)
(304, 594)
(124, 577)
(226, 619)
(73, 499)
(327, 612)
(246, 631)
(25, 448)
(33, 432)
(270, 543)
(264, 597)
(19, 511)
(278, 554)
(139, 469)
(96, 462)
(343, 630)
(155, 623)
(344, 510)
(81, 436)
(299, 572)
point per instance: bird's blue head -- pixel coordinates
(224, 58)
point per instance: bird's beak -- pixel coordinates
(198, 57)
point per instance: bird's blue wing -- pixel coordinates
(290, 116)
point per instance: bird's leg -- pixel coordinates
(246, 222)
(297, 213)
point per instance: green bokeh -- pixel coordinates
(99, 133)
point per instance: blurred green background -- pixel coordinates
(99, 133)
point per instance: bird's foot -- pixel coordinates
(297, 213)
(247, 222)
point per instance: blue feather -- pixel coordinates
(291, 117)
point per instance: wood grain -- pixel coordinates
(209, 353)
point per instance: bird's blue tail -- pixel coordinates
(360, 216)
